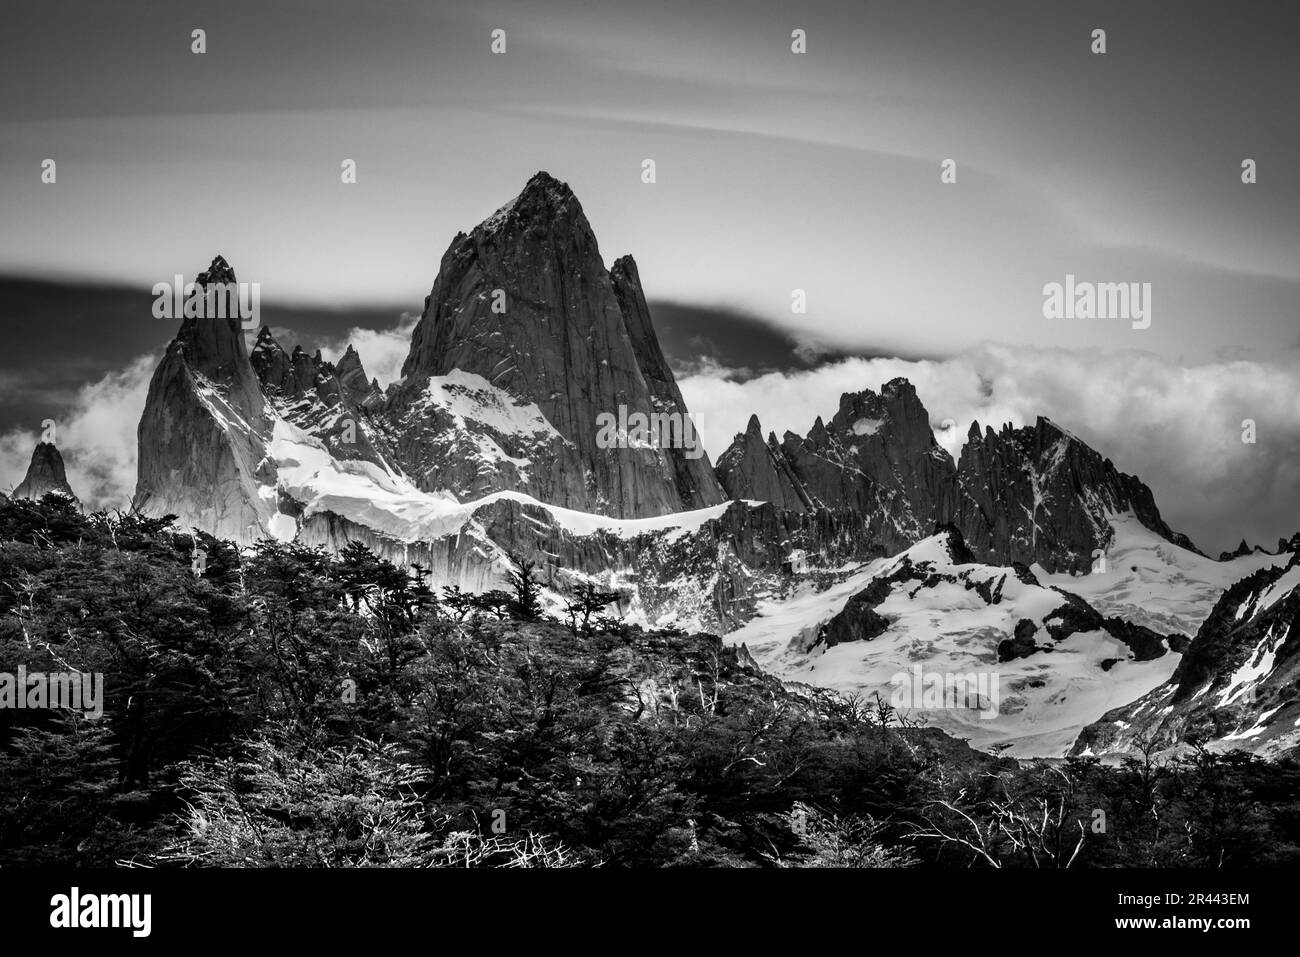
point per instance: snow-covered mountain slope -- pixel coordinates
(1152, 581)
(390, 503)
(1238, 685)
(667, 566)
(1051, 662)
(469, 437)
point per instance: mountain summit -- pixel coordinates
(524, 316)
(45, 474)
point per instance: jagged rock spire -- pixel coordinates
(203, 435)
(45, 474)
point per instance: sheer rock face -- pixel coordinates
(697, 487)
(45, 474)
(205, 430)
(1036, 494)
(525, 304)
(1235, 685)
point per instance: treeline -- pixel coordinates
(291, 707)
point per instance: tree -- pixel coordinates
(458, 603)
(586, 600)
(496, 602)
(526, 605)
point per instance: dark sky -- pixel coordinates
(73, 334)
(775, 171)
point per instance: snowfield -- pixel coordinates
(1046, 698)
(1153, 582)
(391, 505)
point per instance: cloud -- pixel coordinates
(97, 438)
(1177, 427)
(382, 351)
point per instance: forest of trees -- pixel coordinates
(291, 707)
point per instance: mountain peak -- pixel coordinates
(625, 266)
(1046, 427)
(541, 180)
(544, 183)
(45, 474)
(898, 385)
(218, 272)
(543, 200)
(352, 377)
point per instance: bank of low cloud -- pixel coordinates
(1177, 427)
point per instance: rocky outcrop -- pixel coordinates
(45, 475)
(1021, 644)
(1236, 687)
(858, 620)
(1238, 552)
(1077, 616)
(525, 306)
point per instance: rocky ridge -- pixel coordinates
(1237, 686)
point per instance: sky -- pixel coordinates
(775, 172)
